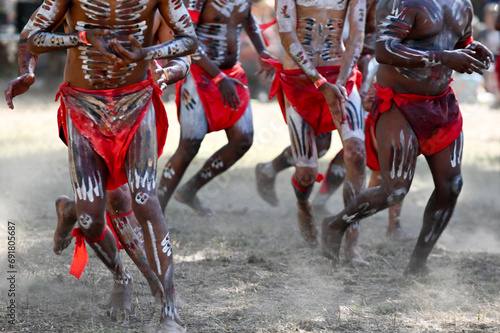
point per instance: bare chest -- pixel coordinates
(231, 12)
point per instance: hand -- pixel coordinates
(125, 56)
(227, 88)
(99, 40)
(481, 53)
(463, 61)
(335, 96)
(18, 86)
(266, 67)
(159, 74)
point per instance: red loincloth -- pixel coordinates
(219, 116)
(436, 120)
(371, 144)
(108, 119)
(304, 97)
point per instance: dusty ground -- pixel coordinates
(247, 269)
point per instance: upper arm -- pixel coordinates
(357, 20)
(48, 16)
(176, 16)
(394, 23)
(286, 17)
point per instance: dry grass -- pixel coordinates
(247, 269)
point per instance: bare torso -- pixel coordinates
(424, 25)
(86, 68)
(319, 28)
(219, 30)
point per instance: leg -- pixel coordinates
(130, 234)
(140, 165)
(88, 175)
(306, 171)
(335, 175)
(398, 151)
(352, 134)
(265, 173)
(126, 227)
(446, 173)
(394, 231)
(240, 138)
(194, 127)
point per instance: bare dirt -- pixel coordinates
(247, 269)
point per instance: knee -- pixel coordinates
(306, 177)
(456, 186)
(190, 148)
(91, 223)
(396, 196)
(119, 201)
(244, 142)
(323, 143)
(355, 153)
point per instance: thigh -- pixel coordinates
(354, 126)
(445, 165)
(192, 117)
(302, 137)
(398, 149)
(88, 173)
(142, 156)
(245, 123)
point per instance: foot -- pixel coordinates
(183, 196)
(351, 251)
(171, 325)
(65, 224)
(307, 225)
(120, 300)
(353, 257)
(417, 270)
(332, 233)
(399, 235)
(265, 186)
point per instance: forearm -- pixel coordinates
(255, 34)
(178, 47)
(350, 57)
(177, 69)
(25, 59)
(43, 41)
(201, 59)
(296, 51)
(393, 53)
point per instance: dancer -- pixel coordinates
(312, 37)
(110, 110)
(213, 97)
(418, 46)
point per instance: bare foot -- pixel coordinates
(332, 233)
(182, 195)
(265, 186)
(307, 225)
(417, 269)
(120, 300)
(351, 251)
(65, 224)
(353, 257)
(399, 235)
(171, 325)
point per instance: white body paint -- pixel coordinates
(155, 250)
(326, 4)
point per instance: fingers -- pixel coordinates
(240, 84)
(8, 97)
